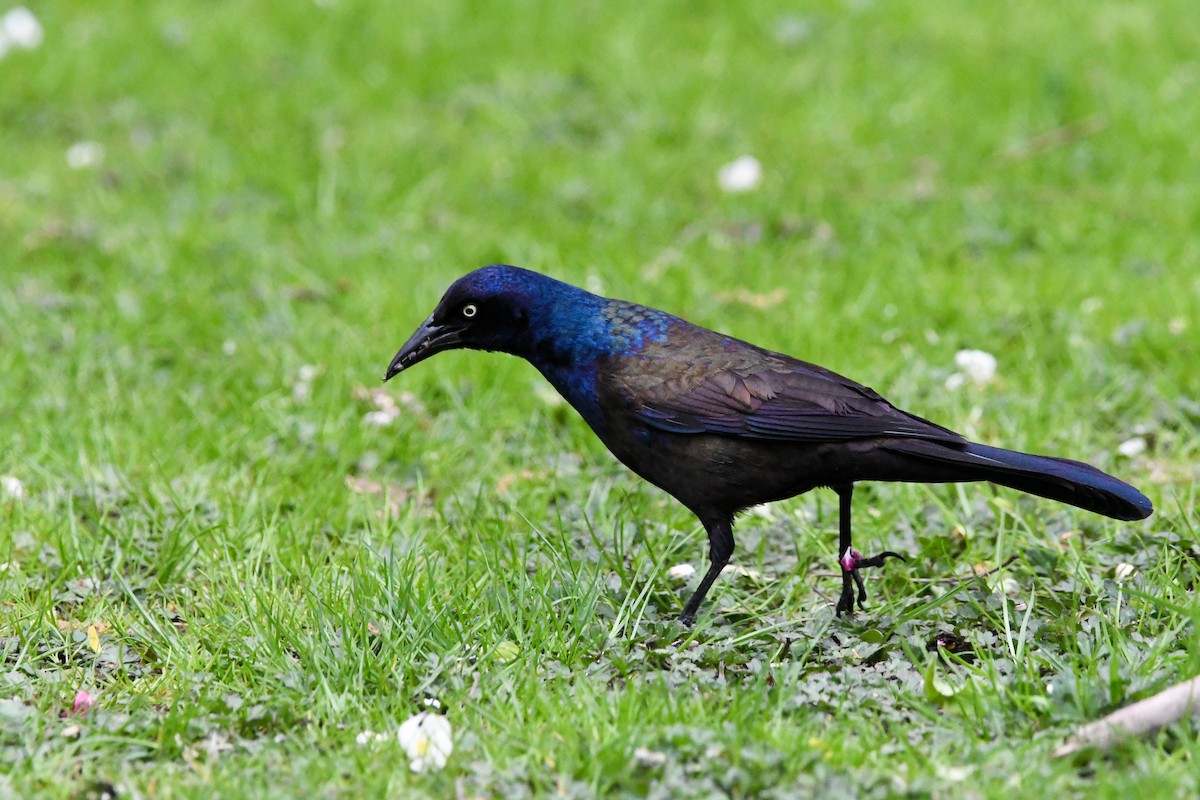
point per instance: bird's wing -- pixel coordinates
(743, 391)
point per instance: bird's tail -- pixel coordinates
(1059, 479)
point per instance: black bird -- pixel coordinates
(724, 425)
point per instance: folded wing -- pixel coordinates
(786, 402)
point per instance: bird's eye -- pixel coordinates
(469, 310)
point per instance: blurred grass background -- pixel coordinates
(270, 196)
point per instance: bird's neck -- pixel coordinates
(567, 346)
(571, 338)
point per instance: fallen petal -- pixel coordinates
(11, 486)
(1131, 448)
(426, 739)
(21, 27)
(681, 572)
(84, 700)
(741, 175)
(978, 365)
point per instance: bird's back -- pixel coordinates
(723, 424)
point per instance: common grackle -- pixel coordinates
(722, 424)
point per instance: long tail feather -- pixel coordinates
(1061, 479)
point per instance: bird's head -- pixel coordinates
(488, 309)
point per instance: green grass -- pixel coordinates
(293, 184)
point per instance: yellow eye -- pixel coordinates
(469, 310)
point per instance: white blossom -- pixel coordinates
(369, 737)
(82, 155)
(380, 418)
(20, 28)
(741, 175)
(426, 740)
(1122, 571)
(953, 774)
(645, 757)
(1130, 448)
(975, 366)
(979, 366)
(681, 572)
(302, 386)
(11, 486)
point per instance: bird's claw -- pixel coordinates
(852, 561)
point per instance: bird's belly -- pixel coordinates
(707, 472)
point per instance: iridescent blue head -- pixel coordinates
(510, 310)
(567, 333)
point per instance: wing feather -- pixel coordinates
(794, 405)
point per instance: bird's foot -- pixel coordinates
(852, 561)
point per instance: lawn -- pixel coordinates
(218, 222)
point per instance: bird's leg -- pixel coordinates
(849, 576)
(850, 559)
(720, 548)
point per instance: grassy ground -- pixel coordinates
(247, 576)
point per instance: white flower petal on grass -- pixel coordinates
(369, 737)
(426, 739)
(681, 572)
(1122, 571)
(381, 418)
(956, 774)
(645, 757)
(741, 175)
(302, 385)
(1131, 448)
(82, 155)
(978, 365)
(11, 486)
(21, 28)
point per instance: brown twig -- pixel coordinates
(1143, 717)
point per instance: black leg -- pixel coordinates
(845, 548)
(720, 548)
(852, 561)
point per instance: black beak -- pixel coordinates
(427, 340)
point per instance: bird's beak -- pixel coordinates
(427, 340)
